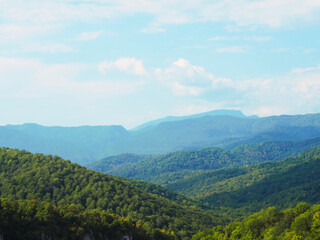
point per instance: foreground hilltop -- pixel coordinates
(31, 219)
(46, 178)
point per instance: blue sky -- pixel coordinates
(104, 62)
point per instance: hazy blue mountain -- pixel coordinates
(221, 112)
(222, 131)
(79, 144)
(89, 143)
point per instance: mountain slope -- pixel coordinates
(179, 167)
(244, 189)
(281, 184)
(31, 219)
(35, 176)
(301, 222)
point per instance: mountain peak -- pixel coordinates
(218, 112)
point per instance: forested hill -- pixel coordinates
(301, 222)
(247, 189)
(35, 176)
(89, 143)
(31, 219)
(281, 184)
(169, 168)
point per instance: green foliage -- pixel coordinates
(238, 191)
(235, 192)
(159, 191)
(118, 161)
(181, 169)
(35, 176)
(283, 184)
(302, 222)
(31, 219)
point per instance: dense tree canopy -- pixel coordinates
(35, 176)
(31, 219)
(177, 167)
(302, 222)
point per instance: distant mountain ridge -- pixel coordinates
(80, 144)
(86, 144)
(222, 112)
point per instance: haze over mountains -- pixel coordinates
(223, 128)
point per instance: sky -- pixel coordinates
(126, 62)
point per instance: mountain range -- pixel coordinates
(202, 170)
(224, 128)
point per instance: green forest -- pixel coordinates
(45, 196)
(31, 219)
(160, 120)
(49, 178)
(169, 168)
(301, 222)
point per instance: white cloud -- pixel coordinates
(231, 49)
(247, 38)
(30, 77)
(224, 38)
(258, 38)
(153, 29)
(16, 74)
(271, 13)
(13, 32)
(292, 93)
(280, 50)
(46, 48)
(61, 94)
(87, 36)
(295, 92)
(310, 50)
(14, 64)
(186, 79)
(304, 70)
(128, 65)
